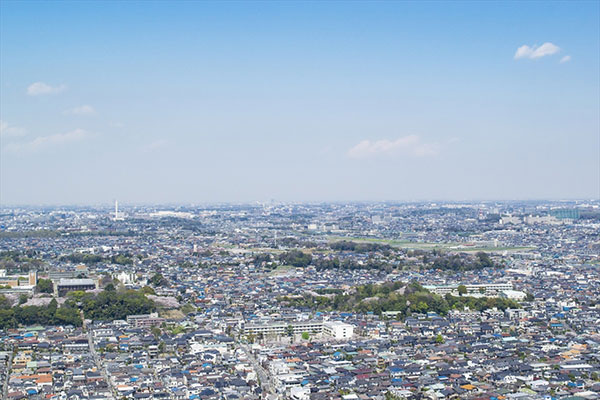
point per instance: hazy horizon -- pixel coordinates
(204, 102)
(275, 202)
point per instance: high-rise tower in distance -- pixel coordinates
(117, 217)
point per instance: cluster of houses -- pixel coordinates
(222, 331)
(513, 354)
(52, 362)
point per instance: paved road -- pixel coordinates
(265, 379)
(8, 368)
(99, 366)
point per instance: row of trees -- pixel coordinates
(359, 247)
(463, 262)
(111, 304)
(85, 258)
(436, 259)
(20, 261)
(12, 317)
(295, 258)
(107, 305)
(260, 258)
(19, 256)
(412, 298)
(42, 233)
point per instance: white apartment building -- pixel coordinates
(338, 329)
(144, 320)
(487, 288)
(281, 328)
(335, 329)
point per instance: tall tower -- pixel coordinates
(116, 209)
(32, 278)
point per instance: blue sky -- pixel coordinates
(194, 102)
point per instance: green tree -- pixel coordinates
(462, 290)
(121, 259)
(109, 305)
(44, 286)
(296, 258)
(439, 339)
(158, 280)
(261, 258)
(68, 316)
(4, 302)
(7, 318)
(148, 290)
(187, 308)
(305, 335)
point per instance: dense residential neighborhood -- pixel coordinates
(490, 300)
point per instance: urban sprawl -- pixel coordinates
(487, 300)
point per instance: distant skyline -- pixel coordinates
(200, 102)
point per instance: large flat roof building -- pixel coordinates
(65, 286)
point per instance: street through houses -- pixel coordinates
(99, 367)
(263, 376)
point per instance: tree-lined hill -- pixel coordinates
(396, 296)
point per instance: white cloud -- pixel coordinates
(157, 144)
(565, 59)
(535, 52)
(40, 88)
(7, 130)
(407, 145)
(42, 142)
(81, 110)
